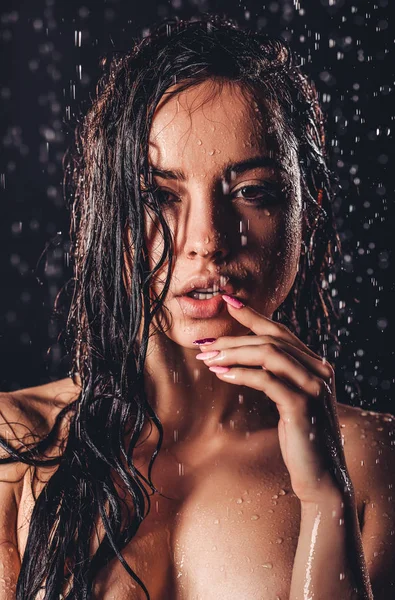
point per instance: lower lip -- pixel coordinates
(201, 309)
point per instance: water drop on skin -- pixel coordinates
(266, 212)
(279, 540)
(239, 500)
(254, 517)
(199, 142)
(267, 565)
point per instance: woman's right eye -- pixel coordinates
(166, 197)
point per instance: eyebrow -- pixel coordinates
(255, 162)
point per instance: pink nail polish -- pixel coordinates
(233, 301)
(219, 369)
(207, 355)
(204, 341)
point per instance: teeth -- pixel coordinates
(200, 296)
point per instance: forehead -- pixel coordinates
(207, 125)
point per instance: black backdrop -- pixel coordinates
(50, 52)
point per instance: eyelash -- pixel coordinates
(268, 194)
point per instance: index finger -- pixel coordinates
(261, 325)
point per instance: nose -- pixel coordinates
(207, 234)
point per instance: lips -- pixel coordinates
(218, 282)
(202, 309)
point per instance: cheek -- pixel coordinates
(153, 239)
(277, 250)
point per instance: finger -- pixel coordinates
(280, 392)
(261, 325)
(277, 360)
(318, 366)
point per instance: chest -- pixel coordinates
(224, 527)
(229, 530)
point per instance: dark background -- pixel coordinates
(50, 53)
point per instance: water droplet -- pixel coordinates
(275, 497)
(239, 500)
(279, 540)
(254, 517)
(216, 521)
(282, 492)
(266, 212)
(267, 565)
(199, 142)
(214, 548)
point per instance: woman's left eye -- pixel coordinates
(257, 194)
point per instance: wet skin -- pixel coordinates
(221, 532)
(204, 540)
(197, 135)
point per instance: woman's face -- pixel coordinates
(230, 191)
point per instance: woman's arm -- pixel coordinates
(329, 561)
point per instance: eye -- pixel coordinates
(162, 195)
(257, 194)
(166, 197)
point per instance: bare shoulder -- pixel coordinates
(25, 416)
(370, 455)
(369, 447)
(28, 414)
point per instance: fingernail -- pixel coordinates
(232, 301)
(219, 369)
(207, 355)
(205, 341)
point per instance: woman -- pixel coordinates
(197, 450)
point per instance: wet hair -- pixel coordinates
(104, 175)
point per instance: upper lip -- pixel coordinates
(218, 282)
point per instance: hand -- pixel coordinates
(302, 385)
